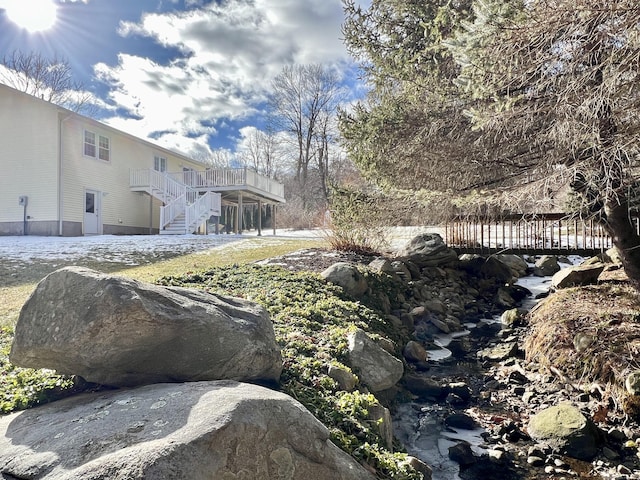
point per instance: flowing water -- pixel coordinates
(420, 426)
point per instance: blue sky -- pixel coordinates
(191, 74)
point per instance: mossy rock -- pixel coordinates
(565, 429)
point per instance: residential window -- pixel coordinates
(159, 163)
(104, 152)
(97, 146)
(89, 143)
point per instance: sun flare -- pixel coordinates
(33, 16)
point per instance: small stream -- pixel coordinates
(420, 426)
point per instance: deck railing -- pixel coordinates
(229, 177)
(534, 233)
(157, 182)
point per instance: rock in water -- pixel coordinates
(120, 332)
(195, 431)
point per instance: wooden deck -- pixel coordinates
(537, 234)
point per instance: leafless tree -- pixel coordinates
(261, 150)
(45, 78)
(305, 98)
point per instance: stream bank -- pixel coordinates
(478, 401)
(484, 433)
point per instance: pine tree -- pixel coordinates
(564, 77)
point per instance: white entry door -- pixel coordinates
(92, 222)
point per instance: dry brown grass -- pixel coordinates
(605, 318)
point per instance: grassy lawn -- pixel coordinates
(17, 282)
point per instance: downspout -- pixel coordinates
(60, 176)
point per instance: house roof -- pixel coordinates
(66, 112)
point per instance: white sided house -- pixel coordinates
(68, 175)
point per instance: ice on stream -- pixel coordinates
(420, 427)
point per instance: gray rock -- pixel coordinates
(496, 456)
(382, 265)
(376, 368)
(499, 352)
(578, 275)
(428, 250)
(546, 266)
(423, 386)
(461, 421)
(535, 461)
(512, 318)
(632, 383)
(516, 264)
(566, 430)
(380, 416)
(347, 381)
(120, 332)
(440, 325)
(460, 389)
(488, 268)
(198, 430)
(419, 466)
(347, 276)
(401, 270)
(414, 352)
(463, 454)
(435, 306)
(613, 256)
(504, 298)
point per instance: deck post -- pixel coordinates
(239, 213)
(274, 209)
(259, 218)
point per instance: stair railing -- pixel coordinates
(171, 210)
(203, 206)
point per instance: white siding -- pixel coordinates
(28, 156)
(30, 146)
(120, 206)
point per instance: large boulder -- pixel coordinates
(516, 264)
(120, 332)
(428, 250)
(377, 368)
(566, 430)
(576, 276)
(198, 430)
(546, 266)
(489, 268)
(347, 276)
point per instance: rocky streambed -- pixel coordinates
(476, 409)
(480, 410)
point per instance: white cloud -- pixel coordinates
(231, 51)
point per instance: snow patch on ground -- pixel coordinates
(127, 249)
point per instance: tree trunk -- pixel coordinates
(623, 233)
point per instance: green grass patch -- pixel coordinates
(24, 387)
(312, 320)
